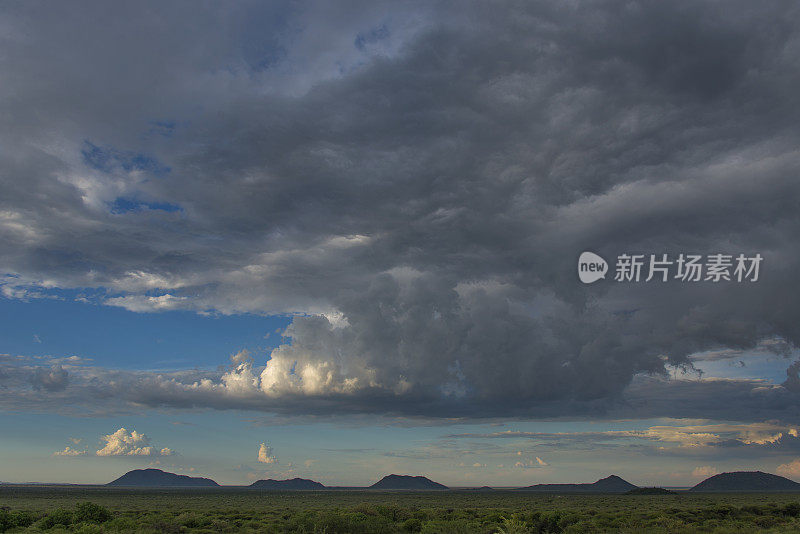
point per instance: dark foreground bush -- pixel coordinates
(89, 512)
(59, 516)
(85, 513)
(792, 509)
(9, 519)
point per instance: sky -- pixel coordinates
(341, 240)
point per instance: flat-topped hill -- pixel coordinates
(154, 478)
(407, 482)
(746, 481)
(610, 484)
(291, 484)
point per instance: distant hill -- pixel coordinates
(293, 484)
(650, 491)
(158, 478)
(407, 482)
(610, 484)
(746, 481)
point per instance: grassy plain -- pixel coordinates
(99, 509)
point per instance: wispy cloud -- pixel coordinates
(69, 451)
(704, 471)
(529, 463)
(673, 437)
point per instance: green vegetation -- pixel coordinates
(650, 491)
(59, 509)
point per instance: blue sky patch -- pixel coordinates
(127, 205)
(124, 339)
(109, 159)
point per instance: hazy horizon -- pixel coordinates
(331, 486)
(337, 240)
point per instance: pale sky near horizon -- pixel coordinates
(340, 240)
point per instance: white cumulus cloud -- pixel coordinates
(266, 455)
(133, 443)
(791, 470)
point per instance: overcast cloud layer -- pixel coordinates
(416, 184)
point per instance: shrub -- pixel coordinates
(193, 520)
(89, 529)
(165, 527)
(792, 509)
(24, 518)
(59, 516)
(412, 525)
(513, 526)
(89, 512)
(5, 520)
(446, 526)
(121, 524)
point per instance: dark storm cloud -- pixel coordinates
(99, 391)
(54, 379)
(420, 184)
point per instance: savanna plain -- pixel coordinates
(99, 509)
